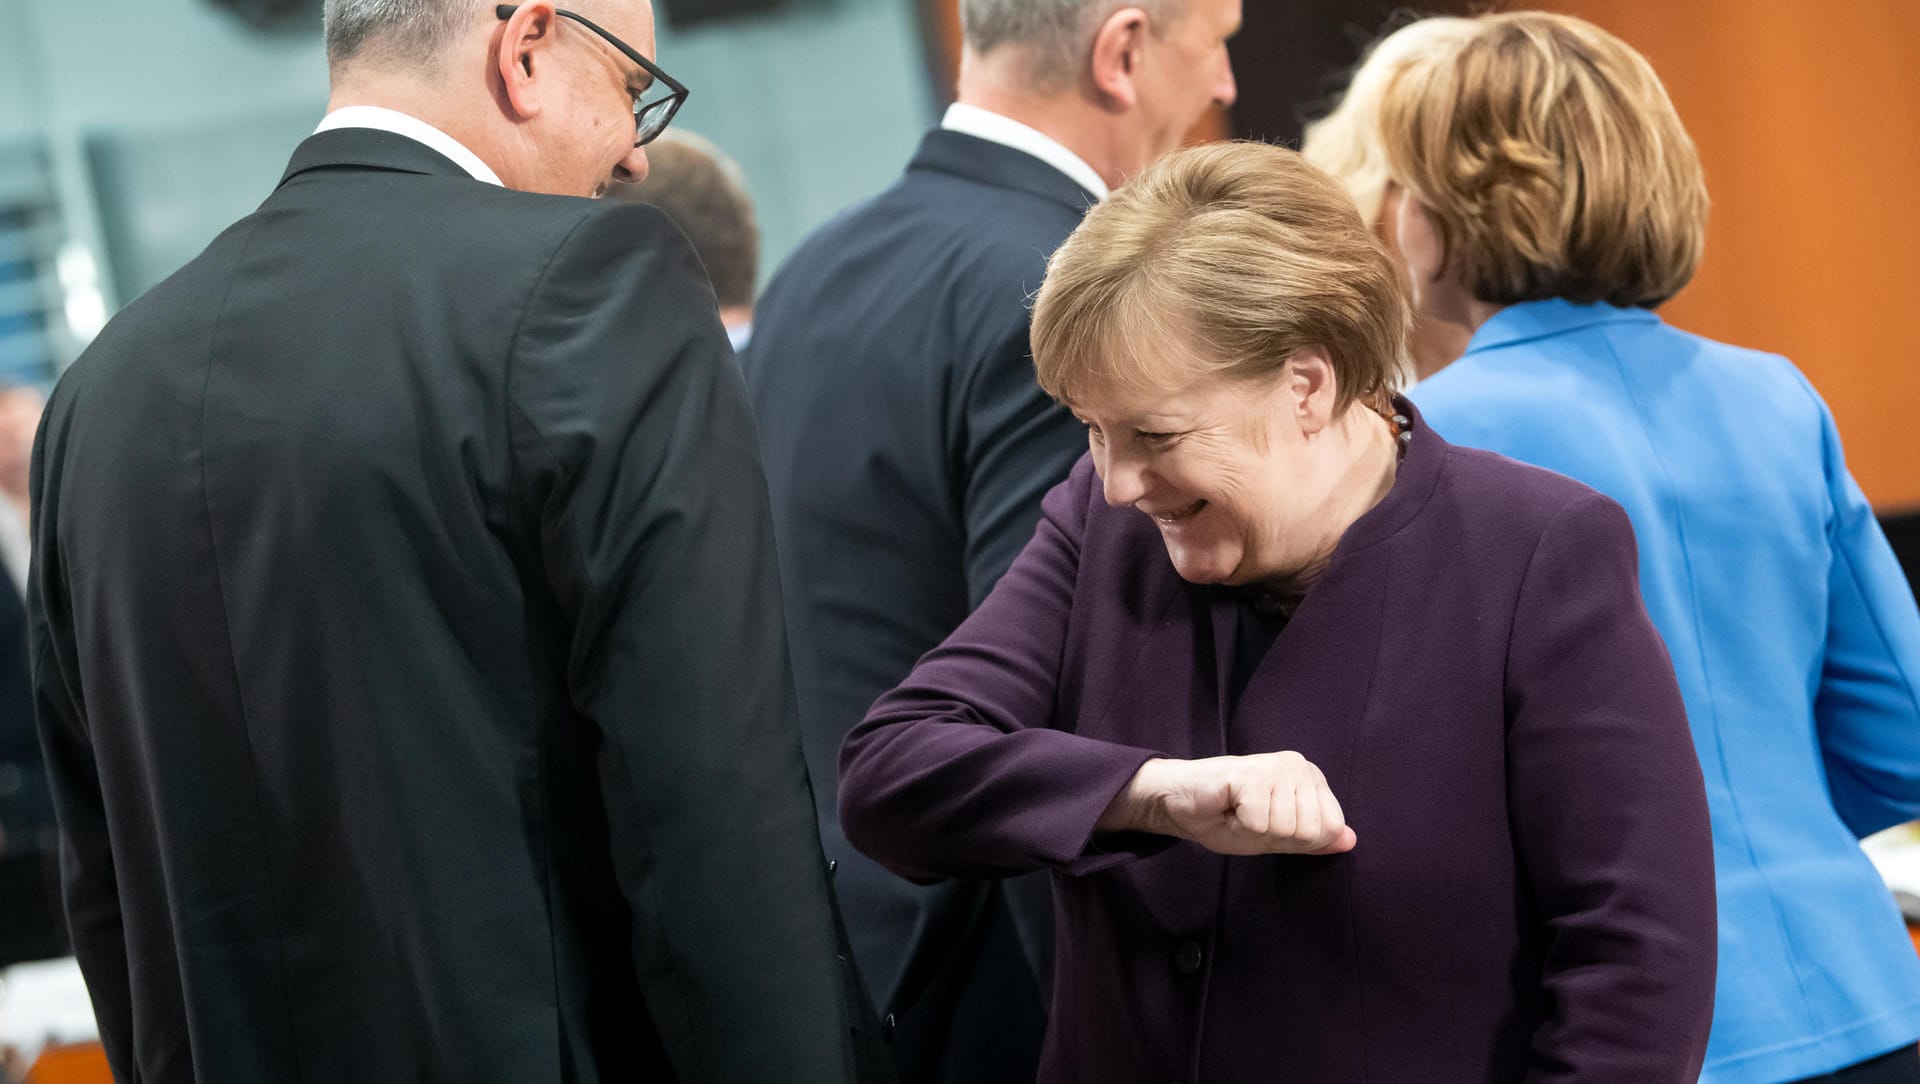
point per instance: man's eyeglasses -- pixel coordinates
(650, 115)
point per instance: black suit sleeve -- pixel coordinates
(1019, 444)
(633, 445)
(89, 887)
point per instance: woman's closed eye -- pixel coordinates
(1156, 440)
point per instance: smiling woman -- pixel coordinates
(1314, 717)
(1286, 377)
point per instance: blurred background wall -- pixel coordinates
(131, 131)
(1807, 116)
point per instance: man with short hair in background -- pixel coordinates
(406, 622)
(704, 192)
(908, 446)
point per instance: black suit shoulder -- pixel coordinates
(940, 270)
(986, 230)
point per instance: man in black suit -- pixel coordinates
(908, 446)
(406, 622)
(30, 926)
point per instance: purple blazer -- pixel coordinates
(1532, 894)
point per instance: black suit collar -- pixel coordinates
(988, 162)
(369, 148)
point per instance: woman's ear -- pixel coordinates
(1417, 236)
(1309, 388)
(1421, 243)
(1116, 55)
(520, 58)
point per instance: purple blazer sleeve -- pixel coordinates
(1609, 814)
(957, 773)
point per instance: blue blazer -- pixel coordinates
(1793, 633)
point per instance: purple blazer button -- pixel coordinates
(1187, 958)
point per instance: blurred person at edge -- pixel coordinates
(1545, 196)
(30, 927)
(406, 630)
(1352, 752)
(1344, 144)
(908, 446)
(698, 186)
(23, 798)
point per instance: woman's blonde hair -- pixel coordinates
(1552, 160)
(1346, 142)
(1222, 260)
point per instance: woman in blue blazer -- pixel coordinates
(1544, 194)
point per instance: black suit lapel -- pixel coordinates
(988, 162)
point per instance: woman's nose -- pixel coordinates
(1122, 480)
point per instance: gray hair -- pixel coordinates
(1056, 34)
(408, 30)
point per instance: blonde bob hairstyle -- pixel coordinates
(1346, 142)
(1552, 161)
(1223, 260)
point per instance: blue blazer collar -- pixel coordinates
(987, 162)
(1540, 319)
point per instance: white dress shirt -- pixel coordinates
(994, 128)
(15, 545)
(392, 120)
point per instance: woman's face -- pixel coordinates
(1226, 468)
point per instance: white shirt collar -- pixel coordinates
(392, 120)
(15, 545)
(994, 128)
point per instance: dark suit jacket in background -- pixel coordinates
(24, 806)
(30, 926)
(907, 449)
(408, 653)
(1531, 896)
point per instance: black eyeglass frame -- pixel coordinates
(642, 134)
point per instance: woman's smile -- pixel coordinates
(1173, 517)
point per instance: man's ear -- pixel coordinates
(1116, 57)
(520, 57)
(1309, 386)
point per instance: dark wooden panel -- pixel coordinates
(1903, 530)
(940, 46)
(681, 14)
(1293, 57)
(278, 16)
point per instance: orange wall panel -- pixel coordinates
(1807, 116)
